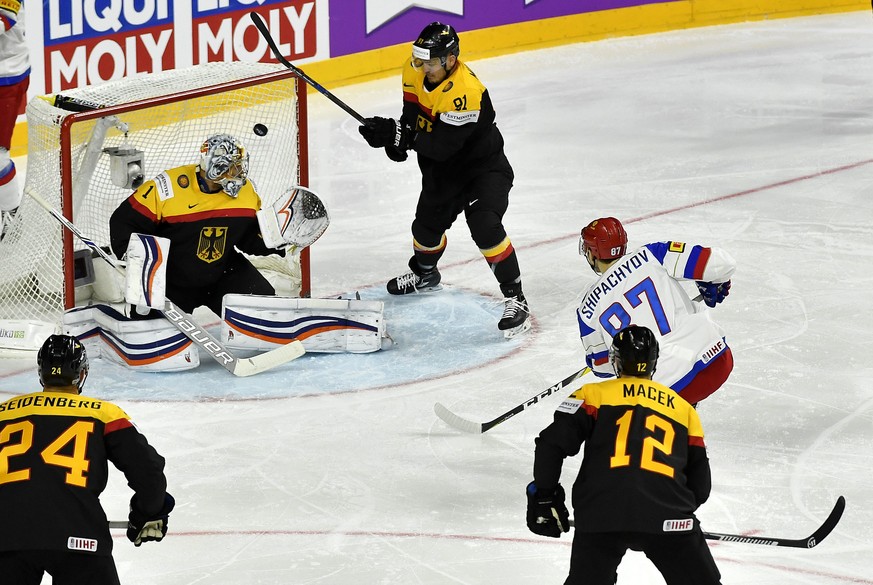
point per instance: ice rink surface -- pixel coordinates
(335, 470)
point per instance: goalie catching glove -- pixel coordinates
(547, 515)
(142, 527)
(298, 218)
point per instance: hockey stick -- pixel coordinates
(185, 322)
(809, 542)
(117, 524)
(262, 27)
(468, 426)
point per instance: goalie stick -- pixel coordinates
(185, 323)
(262, 27)
(468, 426)
(809, 542)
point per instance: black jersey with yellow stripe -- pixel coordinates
(644, 461)
(203, 228)
(456, 137)
(54, 454)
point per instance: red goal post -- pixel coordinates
(78, 162)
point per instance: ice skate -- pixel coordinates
(415, 281)
(516, 315)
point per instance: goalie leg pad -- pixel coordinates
(322, 325)
(150, 345)
(147, 271)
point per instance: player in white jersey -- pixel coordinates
(14, 79)
(643, 288)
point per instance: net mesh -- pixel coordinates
(169, 133)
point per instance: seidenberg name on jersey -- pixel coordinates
(50, 401)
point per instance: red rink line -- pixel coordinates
(704, 202)
(655, 214)
(566, 542)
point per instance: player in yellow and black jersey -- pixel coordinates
(644, 473)
(207, 211)
(55, 447)
(448, 120)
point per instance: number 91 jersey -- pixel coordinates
(54, 449)
(643, 288)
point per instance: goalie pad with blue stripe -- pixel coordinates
(322, 325)
(148, 345)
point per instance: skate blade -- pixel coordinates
(427, 289)
(424, 289)
(517, 330)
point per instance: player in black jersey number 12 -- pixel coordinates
(643, 475)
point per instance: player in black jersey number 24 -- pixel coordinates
(54, 449)
(644, 473)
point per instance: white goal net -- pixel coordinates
(74, 159)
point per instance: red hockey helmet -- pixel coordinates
(604, 238)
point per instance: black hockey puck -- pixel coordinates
(260, 130)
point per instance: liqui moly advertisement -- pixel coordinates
(74, 43)
(87, 42)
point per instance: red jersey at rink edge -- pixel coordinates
(54, 453)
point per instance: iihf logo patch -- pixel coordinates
(78, 543)
(678, 247)
(183, 181)
(683, 525)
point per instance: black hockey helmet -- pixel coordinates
(436, 41)
(62, 361)
(634, 352)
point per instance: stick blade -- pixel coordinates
(809, 542)
(266, 361)
(455, 421)
(829, 524)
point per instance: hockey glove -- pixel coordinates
(713, 293)
(396, 154)
(143, 527)
(546, 513)
(379, 132)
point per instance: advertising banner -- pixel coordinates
(363, 25)
(87, 42)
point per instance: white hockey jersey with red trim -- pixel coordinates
(643, 288)
(14, 57)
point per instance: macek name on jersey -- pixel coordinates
(650, 392)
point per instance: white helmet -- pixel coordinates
(226, 161)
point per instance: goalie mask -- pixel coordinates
(224, 160)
